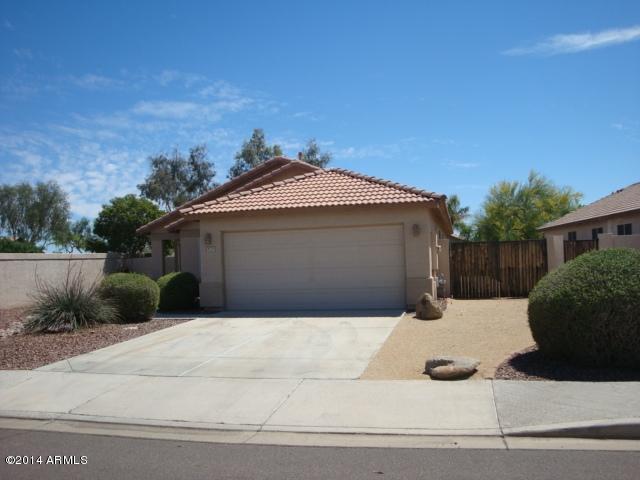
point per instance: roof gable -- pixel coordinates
(252, 177)
(621, 201)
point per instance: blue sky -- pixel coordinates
(446, 96)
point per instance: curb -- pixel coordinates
(617, 429)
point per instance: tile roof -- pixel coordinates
(320, 188)
(239, 182)
(621, 201)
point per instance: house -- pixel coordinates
(289, 235)
(615, 214)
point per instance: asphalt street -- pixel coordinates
(105, 457)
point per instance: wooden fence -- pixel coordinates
(496, 269)
(573, 248)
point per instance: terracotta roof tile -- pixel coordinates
(320, 188)
(622, 201)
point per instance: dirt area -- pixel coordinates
(21, 351)
(489, 330)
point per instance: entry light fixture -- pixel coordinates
(416, 229)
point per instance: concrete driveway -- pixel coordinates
(287, 345)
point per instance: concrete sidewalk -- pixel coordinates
(467, 408)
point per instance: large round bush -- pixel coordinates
(136, 296)
(588, 310)
(178, 291)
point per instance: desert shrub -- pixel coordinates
(69, 305)
(588, 310)
(135, 295)
(17, 246)
(178, 291)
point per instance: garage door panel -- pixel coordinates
(318, 299)
(338, 278)
(318, 268)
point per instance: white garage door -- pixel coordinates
(332, 268)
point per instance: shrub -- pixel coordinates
(17, 246)
(178, 291)
(71, 305)
(135, 295)
(588, 310)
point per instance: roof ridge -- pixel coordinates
(273, 173)
(261, 188)
(388, 183)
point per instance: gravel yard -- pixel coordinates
(20, 351)
(489, 330)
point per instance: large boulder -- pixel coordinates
(451, 368)
(427, 308)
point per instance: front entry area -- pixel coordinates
(324, 268)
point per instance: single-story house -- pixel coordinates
(289, 235)
(615, 214)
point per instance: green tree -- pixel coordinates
(514, 210)
(176, 179)
(312, 154)
(458, 216)
(35, 214)
(76, 236)
(254, 152)
(117, 223)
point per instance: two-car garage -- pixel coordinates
(313, 268)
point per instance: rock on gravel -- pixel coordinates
(450, 368)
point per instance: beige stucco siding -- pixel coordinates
(609, 225)
(418, 248)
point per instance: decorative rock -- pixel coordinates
(427, 309)
(450, 368)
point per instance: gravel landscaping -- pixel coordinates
(489, 330)
(22, 351)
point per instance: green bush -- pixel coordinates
(178, 291)
(135, 295)
(588, 311)
(68, 306)
(17, 246)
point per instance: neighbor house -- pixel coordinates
(615, 214)
(287, 234)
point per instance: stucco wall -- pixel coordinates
(18, 271)
(619, 241)
(418, 249)
(190, 250)
(609, 225)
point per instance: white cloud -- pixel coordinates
(98, 156)
(91, 81)
(167, 77)
(307, 116)
(451, 163)
(23, 53)
(578, 42)
(168, 109)
(363, 152)
(220, 89)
